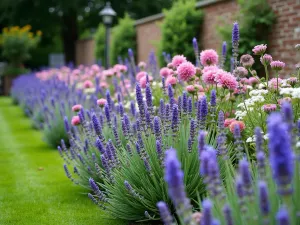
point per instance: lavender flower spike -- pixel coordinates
(165, 214)
(282, 217)
(67, 125)
(224, 49)
(235, 33)
(280, 152)
(213, 98)
(207, 217)
(228, 215)
(245, 175)
(174, 178)
(264, 203)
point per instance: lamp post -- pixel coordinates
(107, 16)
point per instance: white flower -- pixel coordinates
(250, 139)
(240, 114)
(266, 136)
(89, 90)
(249, 87)
(298, 144)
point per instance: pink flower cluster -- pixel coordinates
(177, 60)
(259, 49)
(277, 65)
(186, 71)
(269, 107)
(209, 57)
(76, 108)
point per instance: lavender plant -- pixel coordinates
(264, 191)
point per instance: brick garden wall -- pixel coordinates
(285, 33)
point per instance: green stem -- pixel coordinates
(267, 75)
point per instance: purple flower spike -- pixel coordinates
(190, 105)
(130, 53)
(228, 215)
(264, 203)
(139, 99)
(67, 125)
(282, 216)
(175, 118)
(158, 149)
(162, 108)
(258, 139)
(195, 45)
(81, 115)
(185, 102)
(171, 94)
(100, 146)
(149, 96)
(213, 98)
(165, 214)
(156, 126)
(93, 185)
(96, 125)
(201, 141)
(280, 152)
(121, 109)
(245, 174)
(147, 164)
(132, 108)
(221, 120)
(108, 99)
(67, 171)
(207, 217)
(174, 178)
(239, 188)
(224, 49)
(235, 33)
(107, 113)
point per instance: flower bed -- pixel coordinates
(134, 137)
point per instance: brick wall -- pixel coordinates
(285, 33)
(85, 52)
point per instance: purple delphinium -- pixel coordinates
(280, 153)
(185, 102)
(161, 108)
(149, 97)
(235, 43)
(108, 99)
(171, 94)
(165, 214)
(174, 119)
(190, 106)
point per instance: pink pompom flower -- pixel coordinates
(241, 71)
(273, 82)
(259, 49)
(101, 102)
(142, 65)
(245, 80)
(209, 57)
(226, 80)
(143, 81)
(269, 107)
(171, 80)
(247, 60)
(199, 88)
(177, 60)
(75, 120)
(292, 80)
(209, 74)
(190, 89)
(266, 59)
(140, 75)
(241, 124)
(88, 84)
(229, 121)
(253, 80)
(76, 108)
(277, 65)
(165, 72)
(186, 71)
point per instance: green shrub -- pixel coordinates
(100, 43)
(123, 38)
(181, 23)
(255, 20)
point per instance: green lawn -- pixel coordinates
(33, 187)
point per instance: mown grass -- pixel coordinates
(33, 187)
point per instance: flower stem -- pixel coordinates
(267, 75)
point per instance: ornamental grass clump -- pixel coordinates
(260, 191)
(123, 151)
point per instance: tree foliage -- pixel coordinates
(100, 43)
(181, 23)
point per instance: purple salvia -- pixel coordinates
(128, 148)
(245, 176)
(228, 215)
(162, 109)
(140, 102)
(108, 99)
(174, 179)
(100, 146)
(97, 126)
(147, 164)
(165, 214)
(185, 102)
(159, 149)
(207, 217)
(175, 119)
(67, 172)
(190, 144)
(107, 114)
(156, 127)
(283, 217)
(280, 153)
(235, 43)
(201, 141)
(132, 108)
(66, 123)
(138, 148)
(80, 158)
(171, 94)
(121, 109)
(190, 106)
(213, 98)
(263, 194)
(116, 136)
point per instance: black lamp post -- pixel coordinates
(107, 15)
